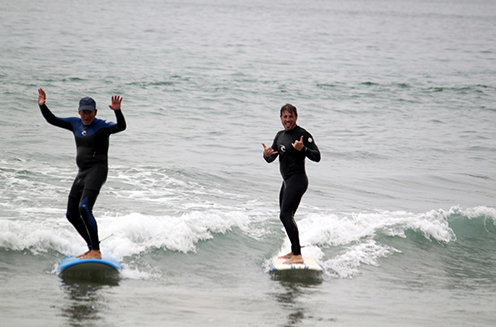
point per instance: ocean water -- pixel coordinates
(399, 95)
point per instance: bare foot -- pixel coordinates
(82, 255)
(92, 254)
(294, 260)
(286, 256)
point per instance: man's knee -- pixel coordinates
(85, 205)
(286, 216)
(84, 210)
(73, 215)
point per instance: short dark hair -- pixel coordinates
(289, 108)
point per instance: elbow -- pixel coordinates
(122, 125)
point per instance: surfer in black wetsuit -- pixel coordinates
(92, 143)
(292, 145)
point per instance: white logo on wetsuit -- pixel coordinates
(83, 132)
(310, 140)
(283, 148)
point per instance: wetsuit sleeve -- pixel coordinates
(121, 122)
(311, 149)
(53, 120)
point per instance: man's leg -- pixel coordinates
(291, 193)
(88, 200)
(72, 213)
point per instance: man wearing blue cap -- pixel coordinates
(92, 143)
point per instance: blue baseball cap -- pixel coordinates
(87, 104)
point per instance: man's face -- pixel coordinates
(87, 116)
(288, 120)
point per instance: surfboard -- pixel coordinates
(72, 267)
(310, 264)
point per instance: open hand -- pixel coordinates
(116, 102)
(41, 96)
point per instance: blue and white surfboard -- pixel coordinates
(99, 268)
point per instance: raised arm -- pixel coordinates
(48, 115)
(115, 105)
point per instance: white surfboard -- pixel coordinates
(89, 268)
(310, 264)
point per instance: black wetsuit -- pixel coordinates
(92, 143)
(295, 181)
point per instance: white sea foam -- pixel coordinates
(131, 234)
(476, 212)
(138, 233)
(342, 229)
(37, 236)
(357, 236)
(348, 264)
